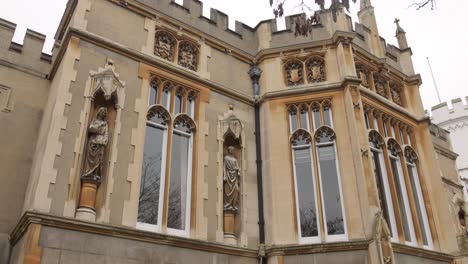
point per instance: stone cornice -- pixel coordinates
(361, 52)
(151, 60)
(23, 69)
(124, 232)
(452, 183)
(163, 239)
(392, 106)
(446, 152)
(285, 250)
(307, 89)
(423, 253)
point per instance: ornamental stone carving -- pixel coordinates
(294, 73)
(363, 74)
(380, 85)
(315, 70)
(382, 240)
(108, 84)
(188, 55)
(98, 138)
(231, 178)
(164, 45)
(395, 91)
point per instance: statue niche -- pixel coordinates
(105, 104)
(232, 175)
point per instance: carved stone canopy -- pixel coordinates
(382, 236)
(108, 84)
(232, 125)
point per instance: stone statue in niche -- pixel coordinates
(188, 56)
(231, 177)
(98, 138)
(164, 46)
(380, 88)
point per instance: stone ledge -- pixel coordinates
(123, 232)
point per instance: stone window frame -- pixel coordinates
(304, 75)
(311, 135)
(171, 122)
(402, 136)
(178, 41)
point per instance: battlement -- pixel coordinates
(442, 113)
(28, 55)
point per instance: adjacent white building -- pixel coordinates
(455, 120)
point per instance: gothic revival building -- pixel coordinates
(154, 134)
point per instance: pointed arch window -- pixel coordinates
(376, 144)
(167, 159)
(153, 169)
(306, 200)
(178, 218)
(330, 183)
(318, 192)
(411, 163)
(394, 151)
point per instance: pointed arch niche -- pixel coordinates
(231, 226)
(89, 197)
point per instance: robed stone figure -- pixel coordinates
(97, 141)
(231, 177)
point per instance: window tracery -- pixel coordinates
(316, 157)
(158, 147)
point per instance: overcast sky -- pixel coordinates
(438, 34)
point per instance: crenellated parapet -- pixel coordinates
(451, 118)
(29, 55)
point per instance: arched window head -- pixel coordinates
(184, 123)
(158, 115)
(393, 147)
(410, 155)
(300, 137)
(188, 55)
(294, 72)
(327, 119)
(315, 70)
(166, 94)
(324, 134)
(315, 107)
(292, 109)
(179, 99)
(153, 94)
(304, 116)
(164, 45)
(375, 139)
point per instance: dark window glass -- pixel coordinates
(413, 173)
(153, 97)
(190, 106)
(178, 104)
(327, 116)
(317, 120)
(166, 95)
(366, 117)
(293, 118)
(380, 186)
(304, 118)
(148, 206)
(178, 186)
(331, 190)
(402, 205)
(305, 192)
